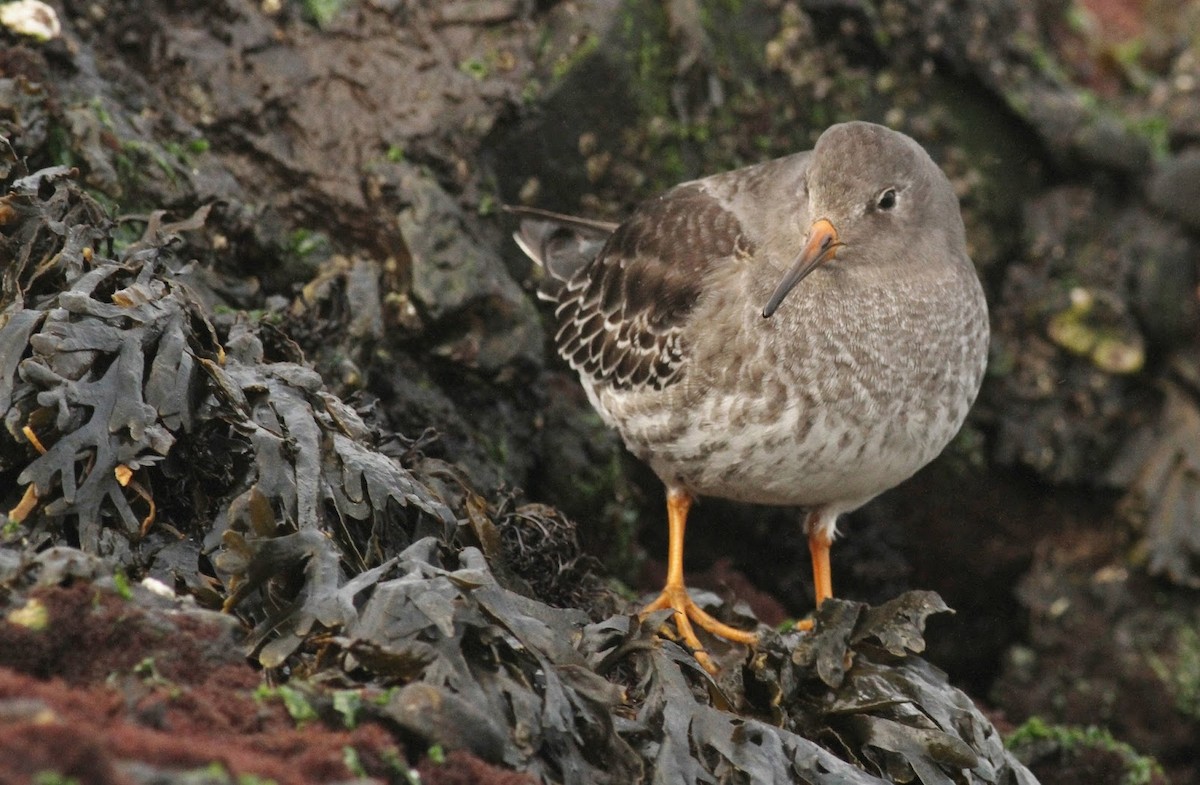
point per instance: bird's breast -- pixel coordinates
(834, 403)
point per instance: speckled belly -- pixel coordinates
(739, 447)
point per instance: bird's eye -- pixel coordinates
(886, 200)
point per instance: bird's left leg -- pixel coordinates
(820, 539)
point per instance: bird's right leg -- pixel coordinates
(674, 594)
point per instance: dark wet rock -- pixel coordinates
(582, 473)
(1067, 349)
(256, 78)
(1031, 57)
(144, 160)
(583, 47)
(459, 286)
(1171, 48)
(488, 436)
(368, 340)
(1075, 755)
(1175, 188)
(247, 131)
(621, 86)
(1183, 110)
(1075, 132)
(1164, 266)
(967, 532)
(1160, 465)
(1140, 643)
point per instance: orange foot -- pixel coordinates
(688, 612)
(674, 594)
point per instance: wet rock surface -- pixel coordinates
(310, 391)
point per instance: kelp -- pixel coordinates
(98, 358)
(120, 399)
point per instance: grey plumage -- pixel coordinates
(875, 346)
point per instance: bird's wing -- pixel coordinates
(622, 316)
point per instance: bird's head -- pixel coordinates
(872, 193)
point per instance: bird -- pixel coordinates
(806, 332)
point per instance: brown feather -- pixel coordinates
(621, 316)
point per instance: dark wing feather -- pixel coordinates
(561, 244)
(621, 317)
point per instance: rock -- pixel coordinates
(1160, 465)
(1067, 348)
(461, 285)
(1175, 187)
(1108, 649)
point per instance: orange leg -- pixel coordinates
(818, 546)
(674, 594)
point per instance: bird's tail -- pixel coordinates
(560, 244)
